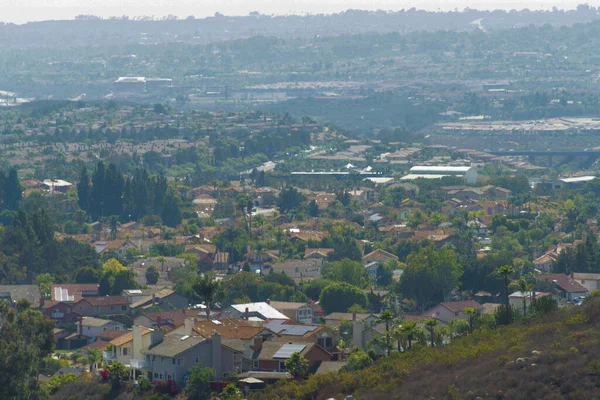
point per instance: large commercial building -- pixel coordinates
(469, 174)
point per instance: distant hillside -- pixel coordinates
(490, 364)
(100, 32)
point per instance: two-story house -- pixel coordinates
(273, 355)
(127, 349)
(299, 312)
(92, 327)
(450, 310)
(290, 331)
(176, 354)
(590, 281)
(61, 312)
(164, 298)
(107, 305)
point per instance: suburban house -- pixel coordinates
(135, 295)
(164, 298)
(299, 312)
(62, 313)
(107, 305)
(396, 231)
(290, 331)
(450, 310)
(363, 333)
(271, 356)
(92, 327)
(317, 253)
(169, 319)
(176, 354)
(14, 293)
(545, 262)
(590, 281)
(299, 270)
(379, 256)
(568, 288)
(203, 251)
(498, 193)
(516, 299)
(335, 318)
(253, 312)
(127, 349)
(74, 290)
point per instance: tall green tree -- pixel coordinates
(386, 317)
(96, 208)
(506, 271)
(206, 287)
(26, 338)
(13, 192)
(339, 296)
(83, 190)
(171, 212)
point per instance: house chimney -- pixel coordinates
(216, 355)
(268, 301)
(571, 275)
(136, 342)
(257, 344)
(188, 325)
(353, 316)
(158, 321)
(41, 302)
(247, 314)
(153, 298)
(357, 334)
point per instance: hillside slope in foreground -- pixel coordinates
(555, 356)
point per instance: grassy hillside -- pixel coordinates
(552, 357)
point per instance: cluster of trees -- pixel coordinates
(110, 193)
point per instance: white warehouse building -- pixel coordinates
(469, 174)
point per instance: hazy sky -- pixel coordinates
(20, 11)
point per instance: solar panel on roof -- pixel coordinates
(287, 350)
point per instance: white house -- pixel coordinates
(91, 326)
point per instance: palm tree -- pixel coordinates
(114, 226)
(398, 335)
(471, 314)
(279, 238)
(386, 317)
(506, 270)
(93, 358)
(430, 325)
(410, 330)
(206, 287)
(162, 260)
(524, 288)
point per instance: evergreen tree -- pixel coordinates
(97, 192)
(171, 215)
(83, 190)
(12, 191)
(113, 191)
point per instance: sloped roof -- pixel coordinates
(378, 254)
(30, 293)
(330, 366)
(174, 345)
(564, 282)
(459, 306)
(228, 329)
(106, 301)
(128, 337)
(261, 308)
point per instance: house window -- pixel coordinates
(125, 351)
(456, 314)
(180, 361)
(325, 342)
(281, 365)
(168, 376)
(97, 309)
(582, 282)
(156, 375)
(255, 364)
(161, 376)
(173, 360)
(123, 308)
(197, 360)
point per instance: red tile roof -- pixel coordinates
(564, 282)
